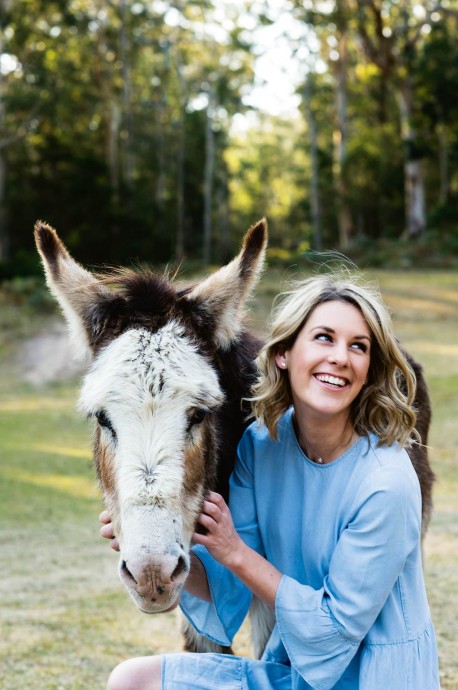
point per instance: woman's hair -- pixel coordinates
(384, 405)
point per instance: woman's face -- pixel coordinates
(329, 361)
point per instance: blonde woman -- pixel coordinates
(324, 523)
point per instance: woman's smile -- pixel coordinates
(333, 381)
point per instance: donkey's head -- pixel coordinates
(155, 395)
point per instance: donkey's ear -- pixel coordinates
(225, 293)
(75, 289)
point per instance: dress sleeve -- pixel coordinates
(322, 629)
(220, 620)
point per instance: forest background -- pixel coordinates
(131, 127)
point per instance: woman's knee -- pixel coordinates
(142, 673)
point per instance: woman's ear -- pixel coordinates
(280, 360)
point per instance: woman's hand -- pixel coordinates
(107, 529)
(221, 538)
(225, 545)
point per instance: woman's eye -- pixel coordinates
(325, 337)
(360, 346)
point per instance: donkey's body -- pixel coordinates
(169, 370)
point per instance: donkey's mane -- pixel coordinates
(142, 287)
(142, 298)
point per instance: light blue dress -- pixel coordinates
(351, 608)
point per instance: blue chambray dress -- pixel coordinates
(351, 608)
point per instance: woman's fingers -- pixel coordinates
(206, 521)
(115, 544)
(107, 531)
(212, 510)
(217, 499)
(220, 537)
(104, 517)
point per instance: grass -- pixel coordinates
(64, 616)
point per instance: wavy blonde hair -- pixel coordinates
(385, 404)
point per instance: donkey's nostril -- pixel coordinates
(181, 567)
(127, 572)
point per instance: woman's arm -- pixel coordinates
(197, 582)
(226, 547)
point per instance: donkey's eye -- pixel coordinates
(105, 422)
(103, 419)
(196, 417)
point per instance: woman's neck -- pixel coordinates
(324, 440)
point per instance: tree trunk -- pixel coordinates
(113, 150)
(340, 147)
(315, 207)
(111, 112)
(4, 236)
(413, 172)
(179, 239)
(224, 236)
(160, 128)
(415, 199)
(443, 161)
(208, 181)
(128, 158)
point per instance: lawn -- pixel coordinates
(64, 616)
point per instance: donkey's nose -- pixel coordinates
(181, 568)
(126, 574)
(154, 576)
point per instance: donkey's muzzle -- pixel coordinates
(155, 581)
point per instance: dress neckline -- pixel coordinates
(323, 465)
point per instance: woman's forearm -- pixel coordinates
(197, 582)
(253, 570)
(256, 573)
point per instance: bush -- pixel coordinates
(30, 292)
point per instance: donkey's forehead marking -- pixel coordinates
(161, 364)
(165, 349)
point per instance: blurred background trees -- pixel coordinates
(127, 125)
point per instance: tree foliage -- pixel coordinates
(118, 125)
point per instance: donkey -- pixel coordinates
(169, 369)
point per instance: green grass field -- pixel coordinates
(65, 620)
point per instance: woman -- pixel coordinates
(325, 516)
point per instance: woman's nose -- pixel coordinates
(339, 355)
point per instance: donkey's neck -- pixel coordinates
(237, 373)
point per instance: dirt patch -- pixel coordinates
(47, 357)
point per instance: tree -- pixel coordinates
(315, 202)
(392, 35)
(437, 82)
